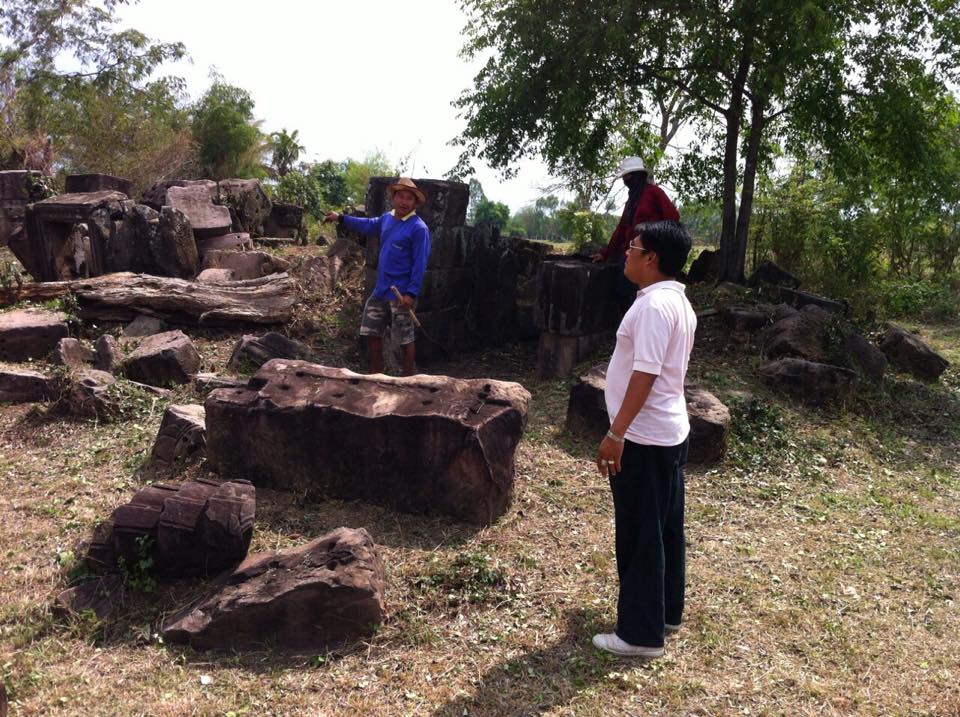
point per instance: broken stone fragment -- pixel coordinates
(70, 352)
(30, 333)
(251, 352)
(425, 444)
(865, 356)
(163, 359)
(909, 353)
(194, 529)
(245, 264)
(206, 382)
(215, 276)
(108, 355)
(144, 325)
(102, 595)
(175, 249)
(86, 394)
(709, 425)
(206, 218)
(745, 318)
(248, 203)
(803, 335)
(25, 386)
(811, 382)
(236, 241)
(181, 438)
(308, 598)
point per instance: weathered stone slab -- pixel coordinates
(226, 242)
(709, 425)
(181, 438)
(587, 408)
(102, 595)
(865, 356)
(578, 298)
(251, 352)
(194, 529)
(802, 335)
(446, 287)
(70, 352)
(156, 196)
(312, 597)
(709, 418)
(109, 358)
(144, 325)
(704, 267)
(558, 354)
(18, 187)
(206, 218)
(175, 250)
(273, 241)
(769, 273)
(284, 220)
(30, 333)
(248, 204)
(163, 359)
(417, 444)
(215, 276)
(77, 183)
(446, 204)
(206, 382)
(811, 382)
(745, 319)
(909, 353)
(26, 386)
(245, 264)
(86, 393)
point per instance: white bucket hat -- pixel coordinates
(629, 165)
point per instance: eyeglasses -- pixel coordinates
(635, 246)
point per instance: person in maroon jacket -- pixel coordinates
(646, 202)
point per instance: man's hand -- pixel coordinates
(609, 454)
(406, 302)
(331, 217)
(596, 258)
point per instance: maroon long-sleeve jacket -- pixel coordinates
(653, 205)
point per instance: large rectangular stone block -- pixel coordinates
(423, 444)
(578, 297)
(97, 183)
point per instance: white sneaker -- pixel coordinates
(672, 628)
(611, 642)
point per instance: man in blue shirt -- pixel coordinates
(404, 250)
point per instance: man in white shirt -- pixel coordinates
(644, 451)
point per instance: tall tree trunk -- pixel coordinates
(757, 107)
(726, 265)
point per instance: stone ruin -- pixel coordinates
(420, 444)
(480, 288)
(194, 529)
(96, 228)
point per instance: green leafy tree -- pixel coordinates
(286, 150)
(494, 213)
(331, 180)
(111, 89)
(562, 77)
(357, 174)
(230, 142)
(476, 196)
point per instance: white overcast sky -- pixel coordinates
(351, 75)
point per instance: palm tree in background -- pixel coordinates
(286, 150)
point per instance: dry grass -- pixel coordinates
(824, 562)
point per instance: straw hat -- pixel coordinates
(407, 183)
(629, 165)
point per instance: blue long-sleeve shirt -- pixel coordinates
(404, 250)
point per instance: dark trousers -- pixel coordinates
(648, 509)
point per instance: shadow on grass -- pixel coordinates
(538, 681)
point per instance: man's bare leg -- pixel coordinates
(409, 354)
(375, 353)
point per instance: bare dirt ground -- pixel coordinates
(823, 573)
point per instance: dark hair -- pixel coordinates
(669, 241)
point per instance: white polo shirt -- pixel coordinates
(655, 336)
